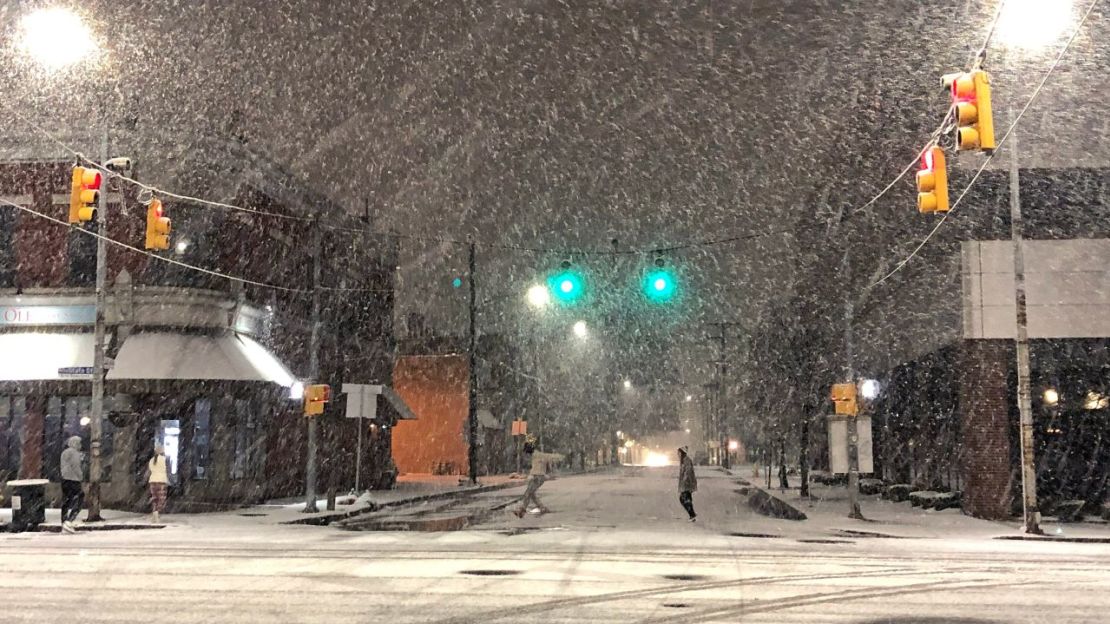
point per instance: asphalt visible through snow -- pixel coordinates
(615, 549)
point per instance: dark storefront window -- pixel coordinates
(11, 428)
(242, 430)
(202, 435)
(53, 440)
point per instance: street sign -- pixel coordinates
(362, 400)
(75, 371)
(838, 444)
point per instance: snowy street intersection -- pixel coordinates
(615, 549)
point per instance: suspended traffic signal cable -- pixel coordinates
(979, 172)
(148, 187)
(974, 62)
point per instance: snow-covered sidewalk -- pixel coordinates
(410, 489)
(827, 511)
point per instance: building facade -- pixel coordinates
(201, 364)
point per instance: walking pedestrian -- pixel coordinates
(687, 483)
(72, 473)
(158, 482)
(541, 465)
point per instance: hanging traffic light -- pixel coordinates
(568, 285)
(660, 284)
(932, 182)
(84, 194)
(316, 397)
(844, 399)
(971, 94)
(157, 226)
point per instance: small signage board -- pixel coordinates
(71, 372)
(520, 427)
(362, 400)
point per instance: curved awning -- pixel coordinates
(168, 355)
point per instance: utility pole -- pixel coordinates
(96, 407)
(722, 372)
(472, 386)
(854, 510)
(1025, 403)
(313, 367)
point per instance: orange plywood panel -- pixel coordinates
(435, 387)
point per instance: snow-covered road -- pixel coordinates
(615, 550)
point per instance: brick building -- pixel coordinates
(201, 363)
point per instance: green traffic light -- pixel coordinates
(660, 285)
(567, 286)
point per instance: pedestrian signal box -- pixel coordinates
(315, 397)
(844, 398)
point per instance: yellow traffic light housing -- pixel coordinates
(84, 194)
(844, 399)
(932, 182)
(157, 226)
(971, 94)
(315, 397)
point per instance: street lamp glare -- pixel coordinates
(1033, 24)
(689, 397)
(566, 286)
(627, 383)
(55, 38)
(580, 329)
(1051, 396)
(538, 296)
(869, 389)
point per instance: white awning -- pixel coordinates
(166, 355)
(28, 356)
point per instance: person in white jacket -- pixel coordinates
(541, 465)
(158, 482)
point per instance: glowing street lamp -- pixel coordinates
(1051, 397)
(580, 329)
(627, 384)
(539, 296)
(869, 388)
(1033, 24)
(55, 38)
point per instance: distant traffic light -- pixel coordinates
(84, 194)
(568, 285)
(457, 282)
(157, 226)
(932, 182)
(971, 94)
(844, 399)
(660, 284)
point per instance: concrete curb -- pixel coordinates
(325, 520)
(84, 528)
(1055, 538)
(760, 492)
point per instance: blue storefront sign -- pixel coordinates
(17, 315)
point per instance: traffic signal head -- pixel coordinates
(971, 95)
(844, 398)
(157, 226)
(315, 397)
(568, 285)
(932, 182)
(84, 194)
(660, 285)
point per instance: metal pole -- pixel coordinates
(358, 448)
(96, 411)
(722, 430)
(313, 369)
(854, 510)
(472, 389)
(1025, 403)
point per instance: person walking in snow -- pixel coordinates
(73, 474)
(541, 464)
(687, 483)
(157, 481)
